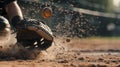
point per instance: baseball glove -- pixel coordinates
(34, 34)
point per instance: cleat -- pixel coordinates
(34, 34)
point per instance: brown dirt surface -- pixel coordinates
(66, 52)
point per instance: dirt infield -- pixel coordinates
(68, 52)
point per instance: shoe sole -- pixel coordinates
(42, 32)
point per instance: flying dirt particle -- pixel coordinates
(88, 61)
(72, 65)
(107, 62)
(0, 46)
(63, 42)
(68, 40)
(63, 61)
(100, 59)
(114, 61)
(81, 58)
(38, 61)
(75, 57)
(92, 65)
(87, 57)
(43, 60)
(101, 65)
(78, 53)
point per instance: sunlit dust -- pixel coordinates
(116, 2)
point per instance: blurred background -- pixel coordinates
(77, 18)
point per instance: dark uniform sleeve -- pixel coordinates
(8, 1)
(3, 4)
